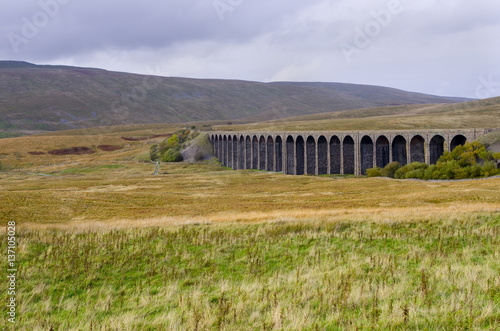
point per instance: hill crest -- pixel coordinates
(48, 98)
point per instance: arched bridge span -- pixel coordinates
(343, 152)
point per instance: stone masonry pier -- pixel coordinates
(330, 152)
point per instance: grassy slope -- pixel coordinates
(56, 97)
(468, 115)
(315, 275)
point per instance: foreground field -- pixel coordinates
(105, 245)
(315, 275)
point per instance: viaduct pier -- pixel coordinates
(334, 152)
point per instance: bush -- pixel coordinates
(390, 169)
(412, 170)
(471, 160)
(169, 150)
(374, 172)
(172, 155)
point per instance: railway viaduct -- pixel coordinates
(329, 152)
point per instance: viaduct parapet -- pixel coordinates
(331, 152)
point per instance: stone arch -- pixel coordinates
(290, 156)
(458, 140)
(235, 152)
(299, 155)
(270, 154)
(348, 155)
(366, 150)
(229, 152)
(335, 155)
(436, 148)
(241, 153)
(399, 153)
(278, 151)
(417, 149)
(255, 153)
(382, 150)
(322, 156)
(262, 153)
(248, 153)
(311, 156)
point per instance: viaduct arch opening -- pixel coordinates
(349, 155)
(290, 156)
(322, 156)
(299, 155)
(436, 148)
(255, 153)
(366, 154)
(248, 153)
(241, 153)
(235, 153)
(279, 154)
(311, 156)
(417, 149)
(458, 140)
(335, 155)
(270, 154)
(382, 151)
(399, 150)
(230, 151)
(262, 153)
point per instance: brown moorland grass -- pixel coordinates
(468, 115)
(115, 186)
(230, 196)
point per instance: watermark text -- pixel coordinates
(11, 272)
(222, 7)
(31, 26)
(373, 28)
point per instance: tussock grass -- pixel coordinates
(324, 275)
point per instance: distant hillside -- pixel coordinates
(466, 115)
(47, 98)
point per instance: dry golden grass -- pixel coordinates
(130, 193)
(117, 188)
(469, 115)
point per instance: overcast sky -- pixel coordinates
(438, 47)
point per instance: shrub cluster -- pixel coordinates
(471, 160)
(170, 149)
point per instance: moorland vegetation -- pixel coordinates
(471, 160)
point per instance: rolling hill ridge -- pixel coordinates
(48, 98)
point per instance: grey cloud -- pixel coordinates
(432, 46)
(84, 26)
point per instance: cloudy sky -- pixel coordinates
(430, 46)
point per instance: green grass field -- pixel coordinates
(105, 245)
(309, 275)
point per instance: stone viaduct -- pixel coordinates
(328, 152)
